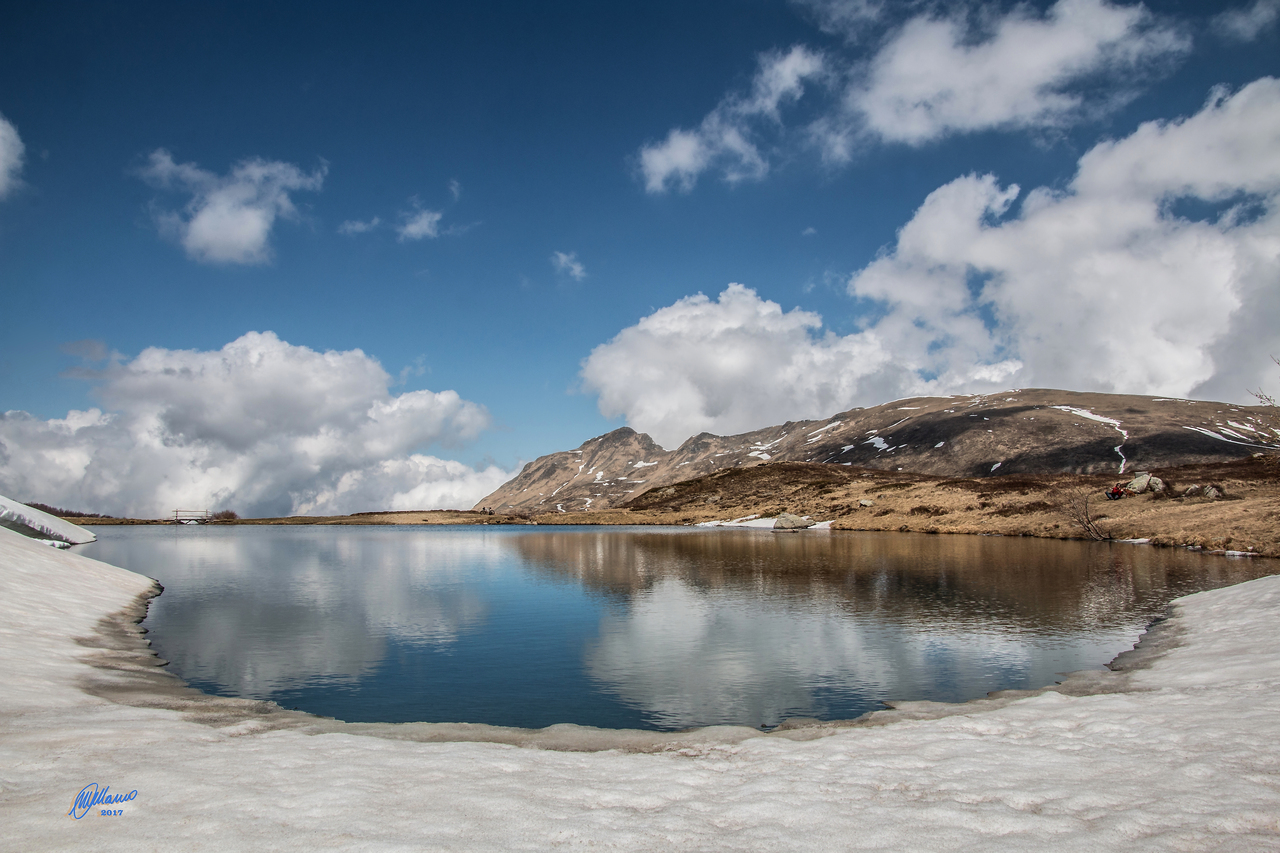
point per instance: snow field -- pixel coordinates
(1186, 759)
(37, 523)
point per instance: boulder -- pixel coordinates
(1211, 493)
(866, 502)
(787, 521)
(1139, 484)
(1193, 492)
(1155, 484)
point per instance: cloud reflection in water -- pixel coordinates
(637, 627)
(263, 610)
(758, 627)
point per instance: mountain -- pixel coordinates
(1031, 431)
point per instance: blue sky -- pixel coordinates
(519, 204)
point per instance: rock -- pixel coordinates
(1192, 492)
(1156, 485)
(1139, 484)
(1211, 493)
(866, 502)
(787, 521)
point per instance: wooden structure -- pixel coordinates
(192, 516)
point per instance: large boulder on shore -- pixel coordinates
(787, 521)
(1144, 482)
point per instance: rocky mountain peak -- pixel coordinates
(1023, 431)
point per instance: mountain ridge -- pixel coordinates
(1021, 431)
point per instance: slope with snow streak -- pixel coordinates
(1124, 434)
(1185, 759)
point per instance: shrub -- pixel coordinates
(65, 513)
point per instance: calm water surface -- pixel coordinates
(654, 628)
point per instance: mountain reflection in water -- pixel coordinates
(638, 627)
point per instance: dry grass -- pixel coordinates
(1016, 505)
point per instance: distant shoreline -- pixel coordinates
(1246, 521)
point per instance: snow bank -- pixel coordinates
(40, 525)
(745, 521)
(1184, 757)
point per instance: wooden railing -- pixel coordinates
(192, 516)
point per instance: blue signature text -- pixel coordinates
(91, 796)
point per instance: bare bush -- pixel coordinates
(66, 513)
(1264, 398)
(1074, 504)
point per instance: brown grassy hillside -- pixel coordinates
(1034, 432)
(1247, 518)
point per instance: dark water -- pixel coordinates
(655, 628)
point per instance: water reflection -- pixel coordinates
(257, 611)
(760, 626)
(935, 582)
(637, 627)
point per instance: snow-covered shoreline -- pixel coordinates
(39, 524)
(1184, 757)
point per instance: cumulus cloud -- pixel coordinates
(419, 224)
(568, 263)
(11, 151)
(930, 76)
(1111, 284)
(724, 139)
(259, 426)
(229, 218)
(1248, 23)
(1152, 272)
(727, 366)
(356, 226)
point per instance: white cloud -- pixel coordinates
(11, 150)
(727, 366)
(932, 76)
(849, 18)
(260, 426)
(1105, 286)
(678, 160)
(1248, 23)
(229, 218)
(419, 224)
(931, 79)
(356, 226)
(568, 263)
(724, 138)
(455, 189)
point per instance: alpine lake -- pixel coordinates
(655, 628)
